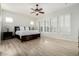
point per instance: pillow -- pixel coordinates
(26, 28)
(21, 28)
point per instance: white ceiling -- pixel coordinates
(25, 8)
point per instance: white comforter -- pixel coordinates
(24, 32)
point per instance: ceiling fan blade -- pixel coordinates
(41, 12)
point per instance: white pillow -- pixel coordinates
(26, 28)
(22, 28)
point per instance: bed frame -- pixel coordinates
(26, 37)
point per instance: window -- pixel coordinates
(9, 20)
(67, 23)
(54, 24)
(47, 25)
(64, 23)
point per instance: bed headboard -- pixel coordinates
(17, 28)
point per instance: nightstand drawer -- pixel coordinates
(7, 35)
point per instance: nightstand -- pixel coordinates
(7, 35)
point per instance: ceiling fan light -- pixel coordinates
(36, 4)
(37, 14)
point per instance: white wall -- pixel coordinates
(18, 20)
(0, 23)
(73, 36)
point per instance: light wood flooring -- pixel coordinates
(38, 47)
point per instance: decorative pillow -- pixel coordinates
(21, 28)
(26, 28)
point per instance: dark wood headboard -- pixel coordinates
(17, 28)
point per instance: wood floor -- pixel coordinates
(38, 47)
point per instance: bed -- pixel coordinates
(24, 34)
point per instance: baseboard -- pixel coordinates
(61, 39)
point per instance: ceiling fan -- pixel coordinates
(37, 10)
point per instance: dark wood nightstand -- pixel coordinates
(7, 35)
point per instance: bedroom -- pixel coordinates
(53, 31)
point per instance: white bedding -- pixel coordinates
(24, 32)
